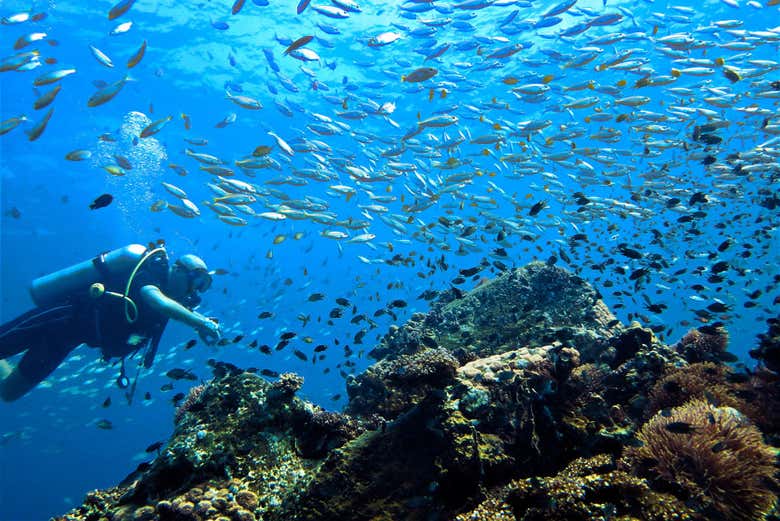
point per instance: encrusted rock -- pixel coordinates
(393, 386)
(530, 306)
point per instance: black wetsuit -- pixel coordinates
(49, 334)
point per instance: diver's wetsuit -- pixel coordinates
(50, 334)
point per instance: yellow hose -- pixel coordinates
(128, 301)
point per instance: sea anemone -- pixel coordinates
(711, 458)
(706, 344)
(681, 384)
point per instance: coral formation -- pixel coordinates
(768, 350)
(513, 401)
(392, 386)
(587, 489)
(710, 457)
(534, 305)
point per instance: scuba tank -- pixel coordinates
(58, 286)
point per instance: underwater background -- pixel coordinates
(633, 143)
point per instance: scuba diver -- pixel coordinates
(120, 301)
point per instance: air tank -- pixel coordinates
(56, 287)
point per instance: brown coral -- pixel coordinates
(710, 457)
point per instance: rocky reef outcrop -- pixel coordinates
(524, 399)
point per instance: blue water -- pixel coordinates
(53, 451)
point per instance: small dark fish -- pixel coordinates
(719, 447)
(287, 335)
(178, 397)
(629, 252)
(265, 349)
(680, 427)
(314, 297)
(470, 271)
(398, 303)
(101, 202)
(718, 307)
(269, 373)
(638, 273)
(253, 343)
(238, 339)
(181, 374)
(147, 396)
(537, 207)
(635, 442)
(104, 424)
(190, 344)
(265, 314)
(428, 341)
(335, 397)
(710, 139)
(107, 402)
(729, 358)
(154, 446)
(320, 348)
(342, 301)
(301, 355)
(336, 313)
(666, 413)
(698, 197)
(720, 267)
(167, 387)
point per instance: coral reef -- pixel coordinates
(710, 457)
(587, 489)
(768, 350)
(513, 401)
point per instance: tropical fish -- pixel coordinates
(120, 8)
(137, 56)
(297, 44)
(100, 56)
(11, 123)
(419, 75)
(107, 93)
(37, 129)
(53, 76)
(155, 127)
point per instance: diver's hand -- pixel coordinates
(209, 331)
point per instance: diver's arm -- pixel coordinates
(164, 305)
